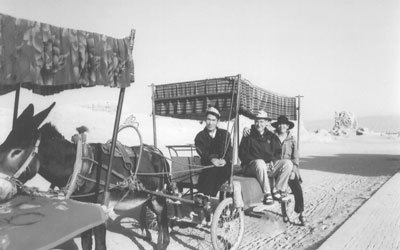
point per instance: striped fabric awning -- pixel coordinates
(50, 59)
(189, 100)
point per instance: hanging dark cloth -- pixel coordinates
(49, 59)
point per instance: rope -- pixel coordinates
(167, 173)
(132, 119)
(198, 167)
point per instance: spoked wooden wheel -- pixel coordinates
(151, 219)
(227, 227)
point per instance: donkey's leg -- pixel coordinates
(156, 208)
(164, 223)
(100, 237)
(143, 219)
(86, 240)
(159, 206)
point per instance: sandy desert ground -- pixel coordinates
(339, 173)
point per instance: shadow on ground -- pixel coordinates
(68, 245)
(130, 228)
(355, 164)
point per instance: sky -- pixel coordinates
(338, 54)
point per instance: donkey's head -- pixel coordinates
(21, 146)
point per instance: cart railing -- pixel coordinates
(184, 159)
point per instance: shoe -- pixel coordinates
(201, 199)
(279, 195)
(198, 198)
(268, 199)
(301, 219)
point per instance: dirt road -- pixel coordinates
(338, 178)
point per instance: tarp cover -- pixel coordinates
(189, 100)
(49, 59)
(29, 222)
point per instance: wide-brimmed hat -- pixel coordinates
(283, 120)
(262, 115)
(213, 111)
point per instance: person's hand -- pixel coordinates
(246, 131)
(215, 161)
(296, 172)
(218, 162)
(271, 167)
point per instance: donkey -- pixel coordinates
(55, 160)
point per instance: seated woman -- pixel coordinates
(290, 152)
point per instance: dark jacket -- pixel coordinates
(256, 146)
(209, 147)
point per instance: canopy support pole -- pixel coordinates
(113, 143)
(116, 129)
(153, 92)
(16, 103)
(236, 129)
(298, 121)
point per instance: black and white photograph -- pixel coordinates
(199, 125)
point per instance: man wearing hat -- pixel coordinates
(290, 155)
(215, 149)
(259, 153)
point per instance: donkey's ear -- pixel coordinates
(26, 115)
(39, 118)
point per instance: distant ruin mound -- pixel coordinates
(344, 123)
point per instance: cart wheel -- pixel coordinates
(227, 227)
(151, 219)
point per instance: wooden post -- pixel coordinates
(132, 38)
(116, 128)
(153, 113)
(236, 128)
(113, 143)
(237, 137)
(298, 121)
(131, 43)
(16, 103)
